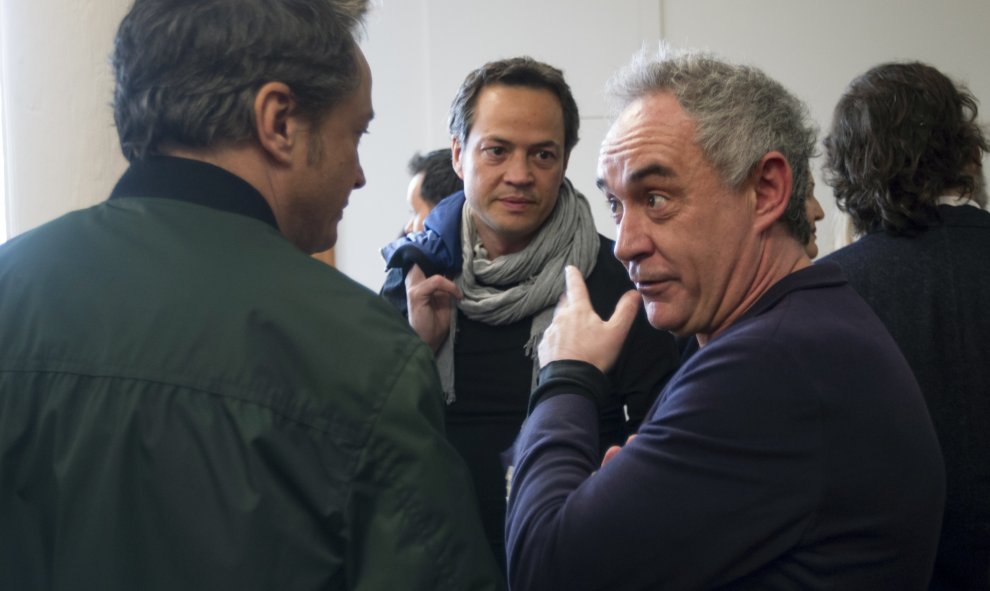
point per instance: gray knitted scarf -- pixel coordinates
(522, 284)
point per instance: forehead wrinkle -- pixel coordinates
(642, 173)
(653, 169)
(624, 150)
(519, 111)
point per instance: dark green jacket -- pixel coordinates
(189, 402)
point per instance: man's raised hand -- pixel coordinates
(578, 333)
(429, 301)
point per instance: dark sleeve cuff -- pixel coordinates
(571, 377)
(408, 255)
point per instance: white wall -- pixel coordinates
(3, 179)
(61, 147)
(62, 150)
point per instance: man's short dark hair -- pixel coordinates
(187, 72)
(902, 135)
(439, 178)
(518, 71)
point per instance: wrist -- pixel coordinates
(571, 377)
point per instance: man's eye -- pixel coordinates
(615, 208)
(545, 155)
(495, 150)
(655, 201)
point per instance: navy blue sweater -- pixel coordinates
(793, 451)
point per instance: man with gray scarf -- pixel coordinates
(496, 253)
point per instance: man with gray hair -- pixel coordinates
(188, 400)
(793, 450)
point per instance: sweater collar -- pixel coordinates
(193, 181)
(824, 274)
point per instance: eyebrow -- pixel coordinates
(501, 140)
(642, 173)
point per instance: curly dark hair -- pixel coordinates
(902, 135)
(439, 178)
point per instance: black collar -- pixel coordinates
(182, 179)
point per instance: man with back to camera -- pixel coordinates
(187, 400)
(433, 179)
(793, 450)
(504, 242)
(921, 263)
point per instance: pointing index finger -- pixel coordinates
(577, 292)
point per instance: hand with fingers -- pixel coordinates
(614, 450)
(577, 332)
(430, 304)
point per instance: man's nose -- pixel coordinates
(519, 170)
(631, 240)
(360, 181)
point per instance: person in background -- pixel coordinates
(433, 178)
(793, 451)
(480, 283)
(188, 400)
(814, 212)
(903, 157)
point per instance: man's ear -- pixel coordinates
(276, 126)
(772, 184)
(455, 156)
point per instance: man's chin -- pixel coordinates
(660, 318)
(322, 245)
